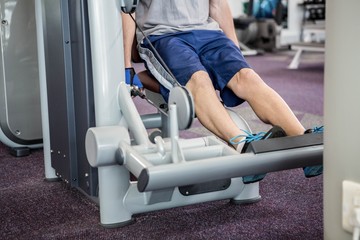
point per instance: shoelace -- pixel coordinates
(318, 129)
(248, 137)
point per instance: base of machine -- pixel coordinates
(20, 151)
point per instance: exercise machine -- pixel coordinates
(312, 38)
(166, 172)
(171, 172)
(20, 114)
(259, 30)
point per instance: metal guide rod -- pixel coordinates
(49, 170)
(137, 163)
(176, 155)
(185, 173)
(107, 59)
(132, 116)
(188, 154)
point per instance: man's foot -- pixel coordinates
(274, 132)
(313, 171)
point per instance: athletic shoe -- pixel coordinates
(274, 132)
(313, 171)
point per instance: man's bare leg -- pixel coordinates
(266, 103)
(209, 110)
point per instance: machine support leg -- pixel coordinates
(249, 194)
(50, 174)
(296, 60)
(113, 186)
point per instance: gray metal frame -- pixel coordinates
(161, 167)
(116, 114)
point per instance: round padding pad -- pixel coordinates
(184, 105)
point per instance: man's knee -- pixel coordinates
(244, 79)
(199, 80)
(247, 74)
(245, 83)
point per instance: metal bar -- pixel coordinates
(49, 170)
(133, 160)
(107, 59)
(185, 173)
(152, 120)
(132, 116)
(190, 154)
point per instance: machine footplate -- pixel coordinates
(285, 143)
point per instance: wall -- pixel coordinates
(236, 7)
(342, 109)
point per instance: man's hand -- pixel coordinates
(132, 78)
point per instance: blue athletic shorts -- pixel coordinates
(188, 52)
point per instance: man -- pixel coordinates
(197, 41)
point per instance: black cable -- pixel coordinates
(155, 52)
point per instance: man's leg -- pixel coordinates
(270, 108)
(209, 110)
(266, 103)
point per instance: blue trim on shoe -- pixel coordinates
(248, 137)
(255, 137)
(253, 178)
(318, 129)
(313, 171)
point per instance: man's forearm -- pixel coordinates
(220, 12)
(128, 37)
